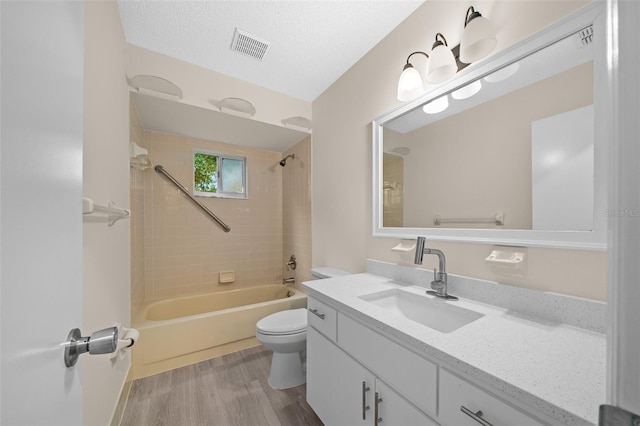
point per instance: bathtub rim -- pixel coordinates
(142, 322)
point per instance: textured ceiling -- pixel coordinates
(312, 42)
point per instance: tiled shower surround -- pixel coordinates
(184, 250)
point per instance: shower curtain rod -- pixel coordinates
(161, 170)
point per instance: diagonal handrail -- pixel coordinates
(161, 170)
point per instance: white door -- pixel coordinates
(40, 209)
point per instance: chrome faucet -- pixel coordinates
(292, 263)
(439, 283)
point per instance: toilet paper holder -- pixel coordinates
(104, 341)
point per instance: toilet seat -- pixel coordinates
(288, 322)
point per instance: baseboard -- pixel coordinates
(118, 412)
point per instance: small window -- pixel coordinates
(218, 175)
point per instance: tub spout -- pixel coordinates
(288, 280)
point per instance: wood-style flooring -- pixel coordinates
(231, 390)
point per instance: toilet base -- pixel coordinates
(286, 371)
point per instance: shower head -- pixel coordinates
(284, 160)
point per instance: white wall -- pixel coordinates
(106, 178)
(342, 223)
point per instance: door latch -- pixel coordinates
(101, 342)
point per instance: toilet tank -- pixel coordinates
(324, 272)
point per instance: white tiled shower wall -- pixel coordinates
(181, 251)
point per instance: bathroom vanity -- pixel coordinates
(376, 354)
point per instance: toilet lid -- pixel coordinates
(284, 322)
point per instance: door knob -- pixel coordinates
(101, 342)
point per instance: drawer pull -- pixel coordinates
(477, 416)
(365, 407)
(316, 313)
(376, 419)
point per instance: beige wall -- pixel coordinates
(200, 86)
(296, 209)
(342, 211)
(185, 250)
(106, 268)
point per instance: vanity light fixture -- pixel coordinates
(410, 82)
(478, 41)
(503, 73)
(478, 37)
(467, 91)
(442, 63)
(437, 105)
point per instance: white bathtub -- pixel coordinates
(185, 330)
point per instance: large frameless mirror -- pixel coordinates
(508, 152)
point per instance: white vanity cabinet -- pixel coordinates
(341, 387)
(413, 376)
(393, 409)
(349, 364)
(342, 392)
(336, 384)
(456, 393)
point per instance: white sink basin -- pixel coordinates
(431, 312)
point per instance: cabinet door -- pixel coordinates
(415, 378)
(395, 410)
(335, 384)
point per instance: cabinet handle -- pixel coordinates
(477, 416)
(376, 419)
(316, 313)
(365, 407)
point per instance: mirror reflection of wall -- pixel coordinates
(393, 190)
(479, 162)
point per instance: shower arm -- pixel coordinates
(161, 170)
(283, 162)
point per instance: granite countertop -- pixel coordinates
(555, 368)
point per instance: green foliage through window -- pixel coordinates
(205, 172)
(217, 175)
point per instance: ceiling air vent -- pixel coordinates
(249, 45)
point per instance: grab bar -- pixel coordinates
(161, 170)
(497, 219)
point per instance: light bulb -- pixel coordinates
(410, 84)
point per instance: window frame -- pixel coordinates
(220, 158)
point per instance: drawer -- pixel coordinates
(456, 393)
(414, 377)
(322, 317)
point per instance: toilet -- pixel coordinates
(285, 333)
